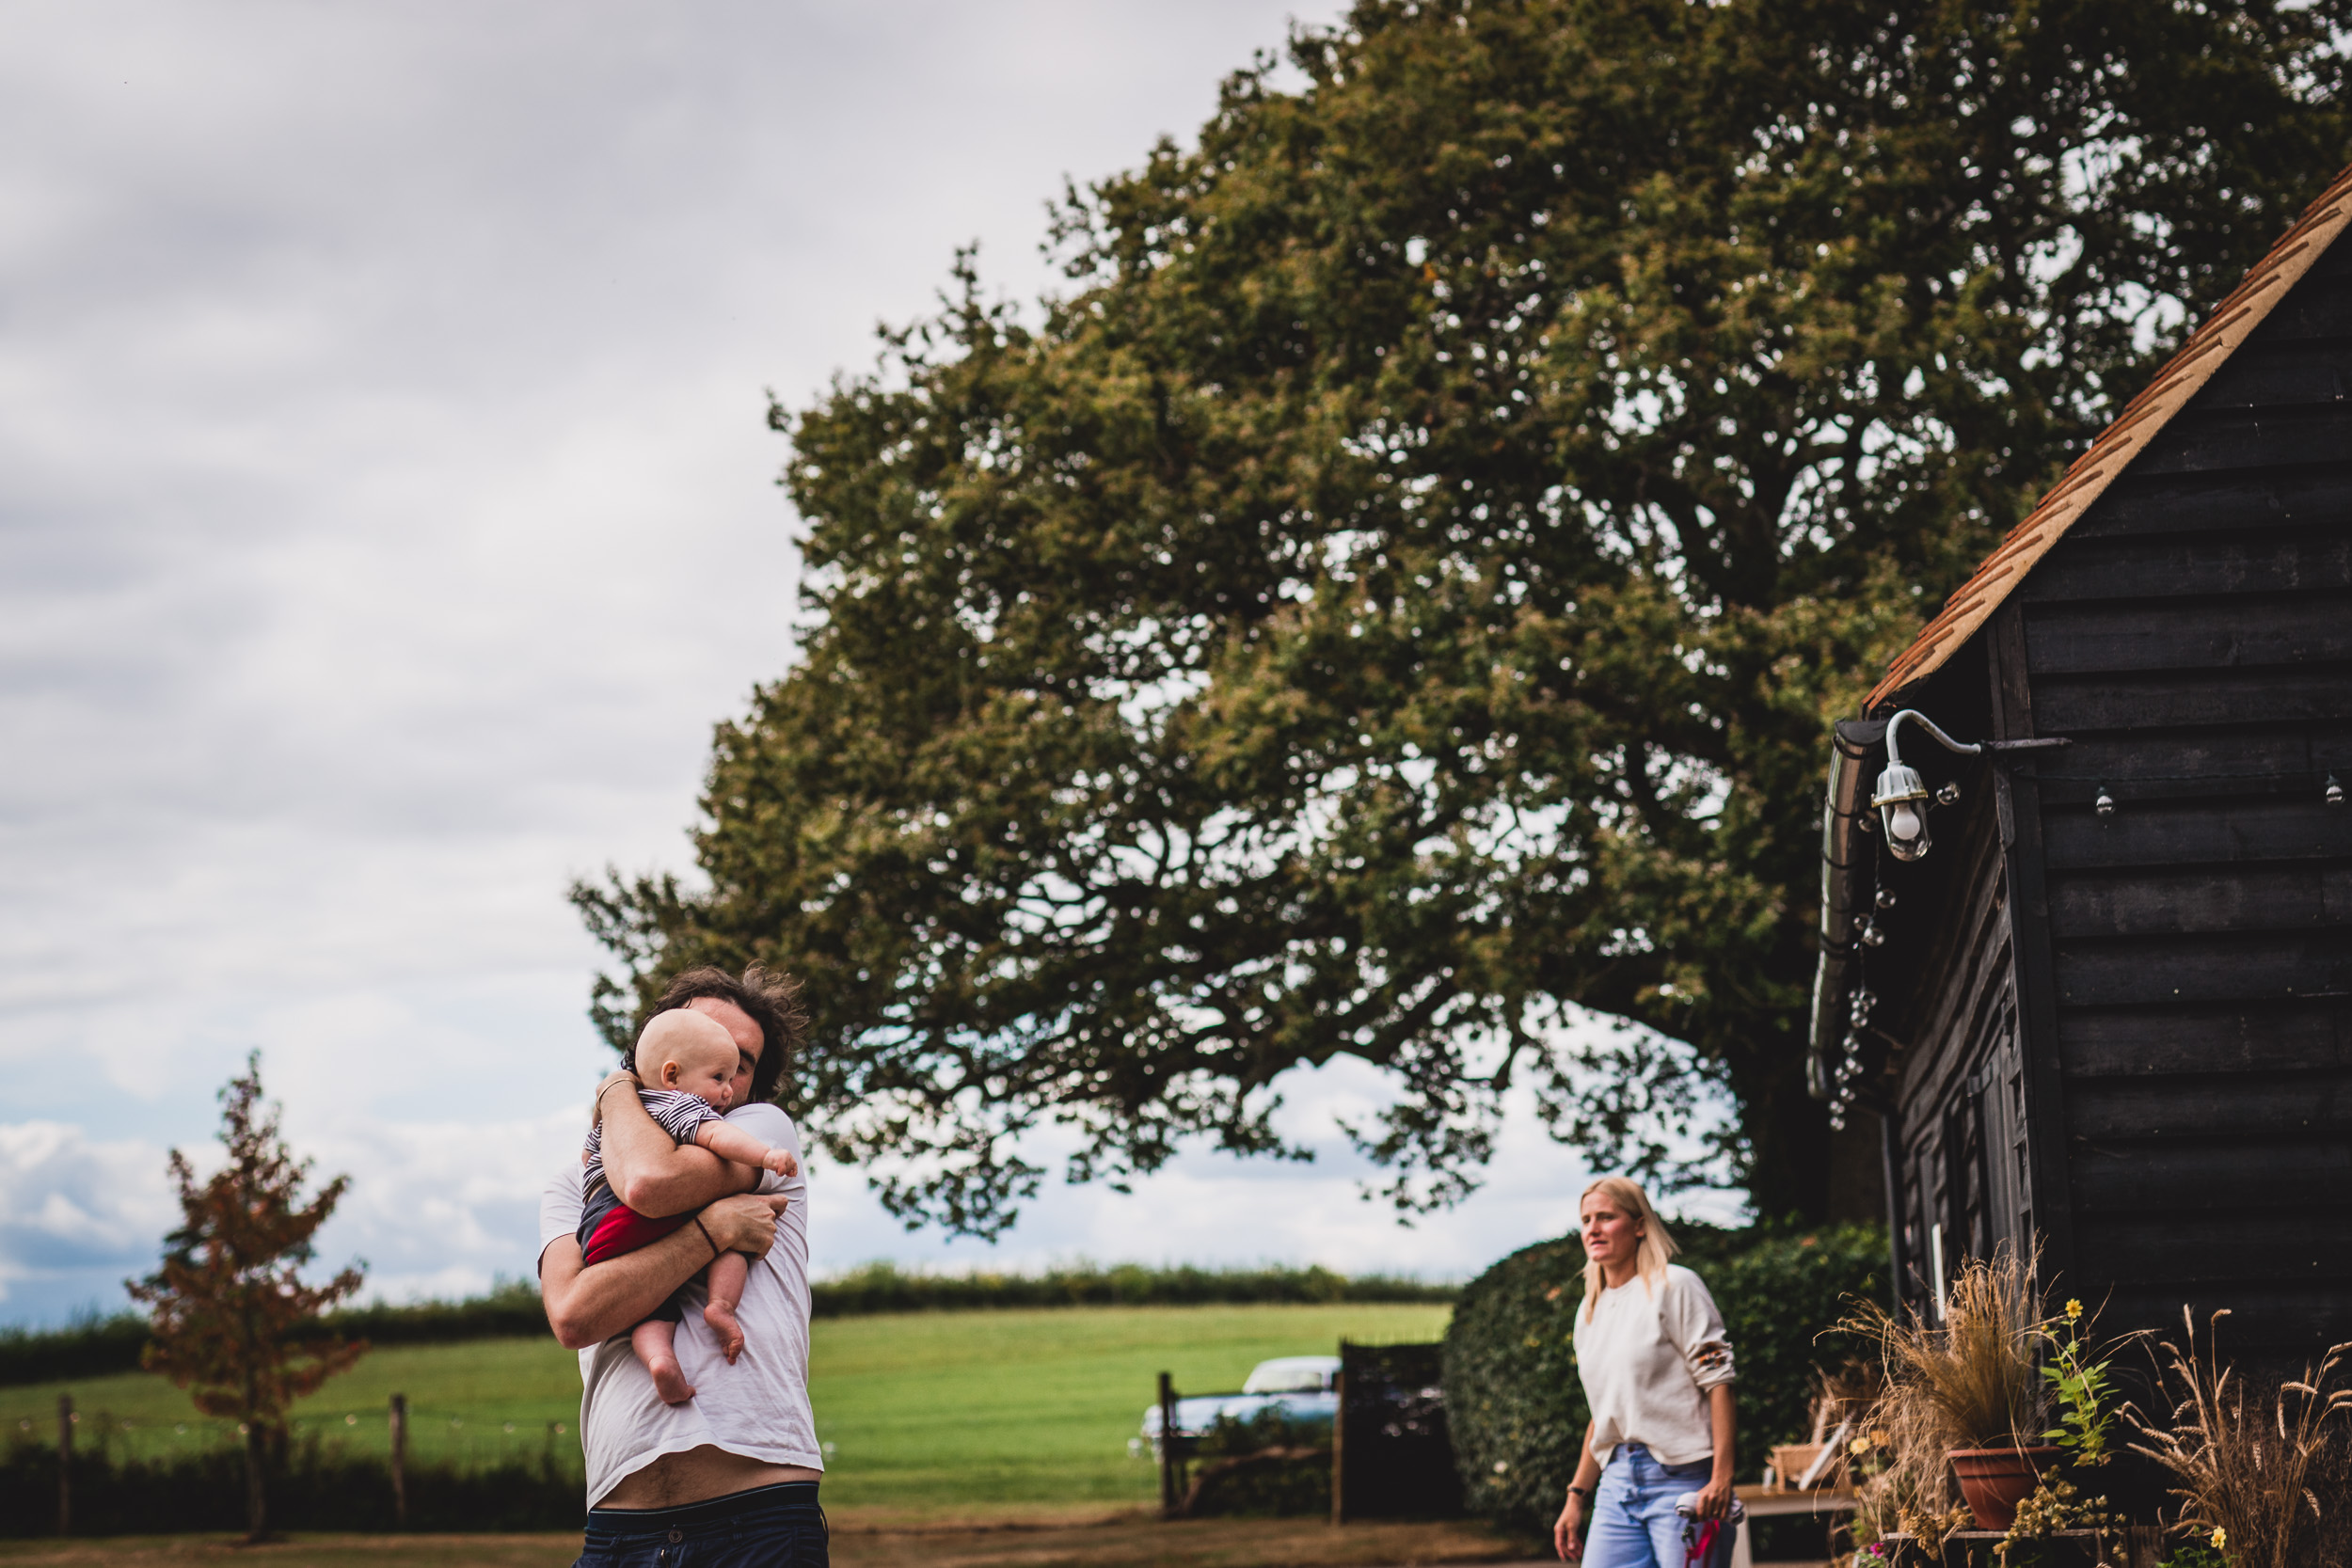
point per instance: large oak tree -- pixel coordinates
(1391, 599)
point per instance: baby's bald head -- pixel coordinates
(683, 1048)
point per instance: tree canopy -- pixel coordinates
(232, 1319)
(1389, 600)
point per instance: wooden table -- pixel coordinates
(1771, 1502)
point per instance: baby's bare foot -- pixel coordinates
(721, 1318)
(669, 1379)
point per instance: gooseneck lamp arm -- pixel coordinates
(1894, 727)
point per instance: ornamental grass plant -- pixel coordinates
(2264, 1478)
(1969, 1382)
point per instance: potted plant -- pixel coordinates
(1969, 1387)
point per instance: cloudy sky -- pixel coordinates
(387, 514)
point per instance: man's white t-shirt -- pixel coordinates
(757, 1407)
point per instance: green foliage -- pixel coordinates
(2194, 1553)
(2080, 1386)
(1264, 1467)
(231, 1318)
(1394, 597)
(1513, 1398)
(312, 1487)
(2054, 1504)
(884, 1288)
(90, 1346)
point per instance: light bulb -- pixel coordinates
(1902, 822)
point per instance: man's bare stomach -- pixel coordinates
(698, 1475)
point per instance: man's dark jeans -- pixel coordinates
(769, 1527)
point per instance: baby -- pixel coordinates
(685, 1065)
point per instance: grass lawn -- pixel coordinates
(473, 1401)
(958, 1410)
(951, 1413)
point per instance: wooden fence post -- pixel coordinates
(400, 1461)
(1339, 1444)
(65, 1464)
(1169, 1493)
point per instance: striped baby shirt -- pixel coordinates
(675, 1111)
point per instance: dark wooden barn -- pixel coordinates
(2110, 1009)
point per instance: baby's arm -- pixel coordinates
(734, 1143)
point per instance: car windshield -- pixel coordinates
(1293, 1375)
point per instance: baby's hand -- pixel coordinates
(781, 1162)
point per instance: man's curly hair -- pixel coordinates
(771, 999)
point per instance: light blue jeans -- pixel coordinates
(1634, 1521)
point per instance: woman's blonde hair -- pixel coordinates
(1649, 1259)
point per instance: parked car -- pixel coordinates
(1303, 1388)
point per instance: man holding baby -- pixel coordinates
(726, 1477)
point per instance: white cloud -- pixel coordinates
(387, 514)
(71, 1206)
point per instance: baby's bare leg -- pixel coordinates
(727, 1273)
(656, 1344)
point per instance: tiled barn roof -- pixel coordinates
(2214, 342)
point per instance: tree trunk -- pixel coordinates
(256, 1494)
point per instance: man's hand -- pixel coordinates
(745, 1223)
(781, 1162)
(1563, 1530)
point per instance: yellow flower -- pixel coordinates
(2074, 1311)
(2220, 1537)
(1859, 1445)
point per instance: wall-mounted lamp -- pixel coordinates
(1901, 795)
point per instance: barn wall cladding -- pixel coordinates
(2110, 1009)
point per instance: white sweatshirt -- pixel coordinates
(1648, 1355)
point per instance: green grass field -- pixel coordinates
(927, 1412)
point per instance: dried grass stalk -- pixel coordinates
(1975, 1376)
(1970, 1382)
(2267, 1478)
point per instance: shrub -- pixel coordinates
(312, 1487)
(885, 1288)
(1268, 1466)
(1513, 1396)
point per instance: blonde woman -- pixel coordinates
(1656, 1372)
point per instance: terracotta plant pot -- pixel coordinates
(1996, 1480)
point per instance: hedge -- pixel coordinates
(1513, 1398)
(95, 1346)
(884, 1287)
(311, 1487)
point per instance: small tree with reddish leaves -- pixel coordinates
(228, 1306)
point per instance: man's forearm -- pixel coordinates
(587, 1307)
(653, 1173)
